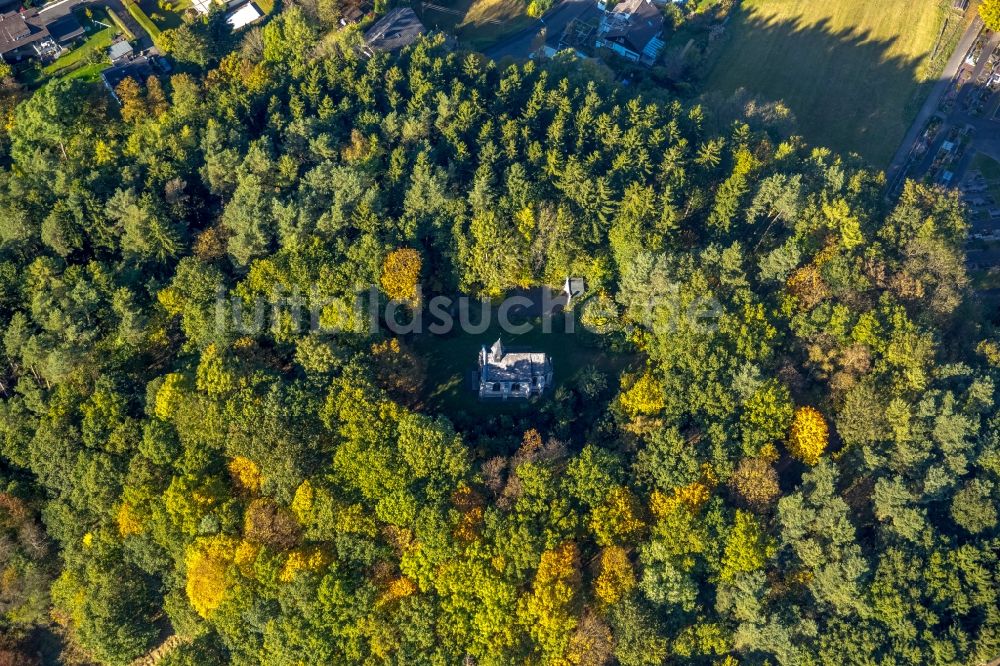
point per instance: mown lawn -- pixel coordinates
(166, 14)
(478, 23)
(987, 166)
(98, 41)
(854, 72)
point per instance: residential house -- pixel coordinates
(353, 12)
(64, 30)
(397, 29)
(27, 35)
(632, 30)
(20, 39)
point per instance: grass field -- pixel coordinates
(478, 23)
(854, 72)
(987, 166)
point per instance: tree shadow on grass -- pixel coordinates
(846, 89)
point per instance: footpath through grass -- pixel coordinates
(854, 72)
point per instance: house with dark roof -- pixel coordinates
(507, 374)
(20, 39)
(353, 12)
(397, 29)
(26, 35)
(65, 30)
(632, 29)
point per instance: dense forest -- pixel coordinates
(812, 479)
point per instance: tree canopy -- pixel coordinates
(796, 461)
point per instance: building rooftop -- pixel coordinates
(399, 28)
(15, 32)
(244, 15)
(65, 29)
(633, 23)
(119, 50)
(501, 365)
(139, 69)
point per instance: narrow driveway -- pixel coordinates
(553, 23)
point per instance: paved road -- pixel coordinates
(553, 23)
(933, 101)
(984, 127)
(58, 8)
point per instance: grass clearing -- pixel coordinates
(854, 72)
(451, 358)
(90, 73)
(86, 61)
(987, 166)
(478, 23)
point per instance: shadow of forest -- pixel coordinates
(847, 90)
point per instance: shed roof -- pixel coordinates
(119, 50)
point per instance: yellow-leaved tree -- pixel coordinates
(809, 435)
(245, 473)
(400, 273)
(644, 397)
(307, 559)
(548, 611)
(207, 562)
(989, 11)
(617, 578)
(169, 396)
(617, 519)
